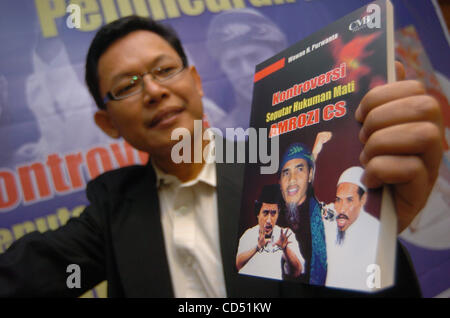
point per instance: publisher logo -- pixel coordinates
(372, 20)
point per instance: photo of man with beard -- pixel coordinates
(352, 234)
(302, 211)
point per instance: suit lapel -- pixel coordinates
(139, 242)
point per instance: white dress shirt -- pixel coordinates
(189, 219)
(348, 261)
(267, 262)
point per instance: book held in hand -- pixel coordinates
(314, 221)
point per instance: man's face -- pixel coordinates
(239, 66)
(348, 205)
(294, 180)
(147, 119)
(267, 218)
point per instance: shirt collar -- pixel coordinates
(354, 225)
(207, 175)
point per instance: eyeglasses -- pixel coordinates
(134, 84)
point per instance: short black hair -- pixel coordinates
(110, 33)
(270, 194)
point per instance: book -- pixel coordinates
(313, 221)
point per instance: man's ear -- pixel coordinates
(103, 121)
(197, 79)
(364, 199)
(311, 175)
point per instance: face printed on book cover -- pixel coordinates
(348, 205)
(267, 218)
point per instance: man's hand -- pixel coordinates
(321, 138)
(244, 257)
(402, 135)
(262, 241)
(294, 266)
(283, 241)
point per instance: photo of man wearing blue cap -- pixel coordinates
(303, 212)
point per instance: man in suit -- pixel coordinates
(167, 229)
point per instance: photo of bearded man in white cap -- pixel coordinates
(352, 235)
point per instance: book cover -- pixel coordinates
(313, 221)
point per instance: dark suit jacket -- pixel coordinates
(119, 238)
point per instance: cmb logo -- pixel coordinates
(372, 20)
